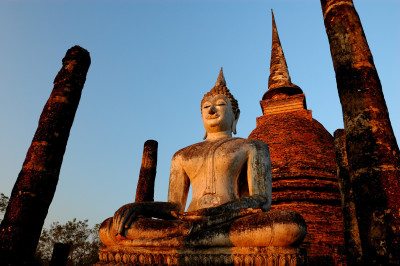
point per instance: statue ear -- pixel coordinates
(235, 121)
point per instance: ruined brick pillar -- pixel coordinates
(371, 147)
(351, 232)
(147, 176)
(36, 183)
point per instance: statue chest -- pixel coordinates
(213, 172)
(208, 162)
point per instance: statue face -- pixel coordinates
(217, 113)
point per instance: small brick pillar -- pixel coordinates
(147, 176)
(60, 254)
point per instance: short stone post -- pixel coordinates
(60, 254)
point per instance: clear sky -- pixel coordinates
(152, 62)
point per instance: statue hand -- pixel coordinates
(207, 213)
(197, 215)
(248, 211)
(189, 216)
(129, 213)
(125, 216)
(200, 214)
(208, 217)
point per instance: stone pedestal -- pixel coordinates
(276, 256)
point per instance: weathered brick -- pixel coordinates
(304, 177)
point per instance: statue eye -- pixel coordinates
(220, 103)
(206, 106)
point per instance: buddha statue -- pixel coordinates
(231, 183)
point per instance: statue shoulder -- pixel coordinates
(251, 142)
(184, 152)
(257, 145)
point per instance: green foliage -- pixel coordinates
(3, 203)
(84, 241)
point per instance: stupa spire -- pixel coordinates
(221, 79)
(279, 73)
(279, 79)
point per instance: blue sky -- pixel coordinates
(152, 61)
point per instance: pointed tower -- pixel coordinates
(303, 162)
(279, 77)
(280, 85)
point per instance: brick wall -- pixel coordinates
(304, 175)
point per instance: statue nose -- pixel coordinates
(212, 110)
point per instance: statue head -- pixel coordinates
(219, 109)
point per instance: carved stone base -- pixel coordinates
(273, 256)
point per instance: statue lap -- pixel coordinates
(269, 238)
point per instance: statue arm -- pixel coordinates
(178, 183)
(127, 214)
(259, 174)
(179, 188)
(178, 191)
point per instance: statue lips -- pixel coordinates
(213, 116)
(213, 120)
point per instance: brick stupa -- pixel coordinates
(303, 162)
